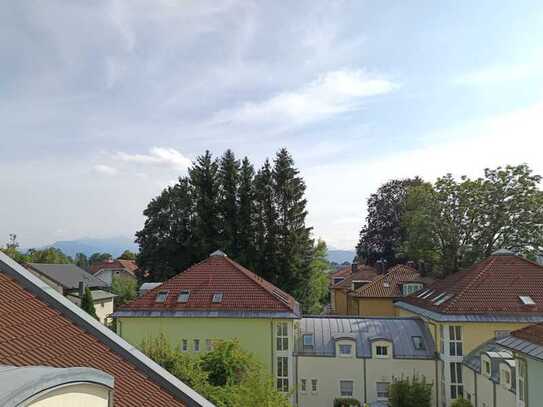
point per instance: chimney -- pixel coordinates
(411, 264)
(381, 266)
(81, 290)
(354, 267)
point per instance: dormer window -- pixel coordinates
(345, 348)
(217, 298)
(308, 342)
(382, 349)
(486, 366)
(526, 300)
(161, 296)
(411, 288)
(183, 296)
(358, 283)
(418, 343)
(505, 377)
(338, 280)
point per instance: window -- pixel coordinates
(209, 345)
(303, 385)
(282, 374)
(457, 389)
(346, 388)
(282, 336)
(381, 351)
(345, 349)
(418, 343)
(184, 345)
(196, 346)
(455, 341)
(338, 280)
(486, 367)
(357, 284)
(527, 300)
(314, 386)
(411, 288)
(521, 387)
(506, 378)
(217, 298)
(183, 296)
(382, 390)
(442, 300)
(308, 342)
(161, 296)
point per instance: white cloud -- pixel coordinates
(337, 193)
(105, 169)
(158, 156)
(498, 74)
(332, 93)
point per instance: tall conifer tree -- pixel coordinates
(247, 255)
(229, 203)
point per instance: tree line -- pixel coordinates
(450, 224)
(257, 217)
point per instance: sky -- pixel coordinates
(104, 103)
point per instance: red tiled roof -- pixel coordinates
(491, 286)
(363, 273)
(531, 333)
(33, 333)
(389, 284)
(128, 265)
(242, 290)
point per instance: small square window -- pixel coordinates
(382, 390)
(381, 351)
(345, 349)
(303, 385)
(161, 296)
(217, 298)
(183, 296)
(418, 342)
(196, 346)
(346, 388)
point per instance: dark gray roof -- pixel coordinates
(19, 384)
(522, 346)
(67, 275)
(399, 331)
(436, 316)
(204, 314)
(497, 354)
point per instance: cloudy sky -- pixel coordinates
(103, 103)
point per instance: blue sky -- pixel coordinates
(104, 103)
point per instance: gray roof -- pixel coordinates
(326, 330)
(19, 384)
(148, 286)
(523, 346)
(497, 354)
(436, 316)
(103, 334)
(67, 275)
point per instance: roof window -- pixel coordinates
(161, 296)
(527, 300)
(386, 284)
(217, 298)
(418, 343)
(442, 300)
(436, 299)
(422, 293)
(183, 296)
(428, 294)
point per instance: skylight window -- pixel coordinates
(217, 298)
(442, 300)
(436, 299)
(183, 296)
(161, 296)
(429, 294)
(527, 300)
(418, 343)
(386, 285)
(422, 294)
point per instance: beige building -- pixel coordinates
(359, 358)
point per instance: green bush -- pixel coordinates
(410, 393)
(346, 402)
(462, 403)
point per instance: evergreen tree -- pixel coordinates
(228, 202)
(81, 260)
(294, 244)
(265, 224)
(165, 240)
(127, 255)
(247, 251)
(204, 179)
(87, 304)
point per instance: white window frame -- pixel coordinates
(340, 381)
(281, 341)
(381, 397)
(410, 288)
(343, 346)
(456, 341)
(303, 385)
(456, 385)
(184, 345)
(196, 345)
(282, 374)
(314, 386)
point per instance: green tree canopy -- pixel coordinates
(99, 258)
(124, 288)
(87, 304)
(127, 255)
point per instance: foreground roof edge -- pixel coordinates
(79, 317)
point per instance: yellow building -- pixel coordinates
(346, 280)
(496, 296)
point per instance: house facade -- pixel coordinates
(501, 294)
(108, 269)
(346, 280)
(218, 299)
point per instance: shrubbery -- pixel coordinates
(346, 402)
(410, 393)
(462, 403)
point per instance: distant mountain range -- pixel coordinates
(114, 246)
(340, 256)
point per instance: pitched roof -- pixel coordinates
(389, 284)
(528, 340)
(66, 275)
(39, 327)
(497, 355)
(326, 330)
(363, 273)
(241, 289)
(128, 265)
(493, 286)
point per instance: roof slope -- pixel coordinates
(67, 275)
(364, 330)
(492, 286)
(363, 273)
(128, 265)
(389, 284)
(497, 355)
(38, 326)
(242, 290)
(528, 340)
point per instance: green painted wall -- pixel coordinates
(535, 379)
(255, 335)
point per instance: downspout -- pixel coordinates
(364, 378)
(494, 393)
(475, 387)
